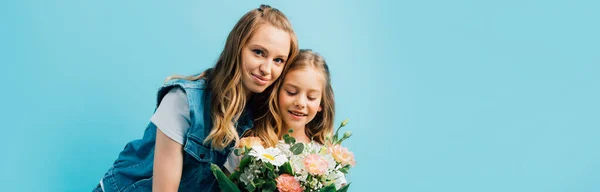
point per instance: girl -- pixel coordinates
(199, 118)
(302, 101)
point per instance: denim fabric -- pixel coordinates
(132, 171)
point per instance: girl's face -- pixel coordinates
(263, 57)
(300, 96)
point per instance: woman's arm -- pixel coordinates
(168, 163)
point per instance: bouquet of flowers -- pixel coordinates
(290, 166)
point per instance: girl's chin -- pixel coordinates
(294, 125)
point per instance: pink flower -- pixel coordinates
(342, 155)
(315, 164)
(287, 183)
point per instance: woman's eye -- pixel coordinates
(290, 92)
(312, 98)
(279, 61)
(258, 52)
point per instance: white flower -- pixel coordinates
(338, 177)
(330, 161)
(285, 149)
(269, 155)
(297, 162)
(312, 148)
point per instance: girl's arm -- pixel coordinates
(168, 163)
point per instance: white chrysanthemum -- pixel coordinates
(269, 155)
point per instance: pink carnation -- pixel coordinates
(342, 155)
(315, 164)
(287, 183)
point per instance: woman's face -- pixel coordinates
(263, 57)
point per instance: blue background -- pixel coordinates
(441, 95)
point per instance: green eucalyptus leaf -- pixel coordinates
(297, 148)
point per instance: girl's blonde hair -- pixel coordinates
(224, 80)
(269, 126)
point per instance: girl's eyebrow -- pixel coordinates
(296, 87)
(290, 84)
(313, 90)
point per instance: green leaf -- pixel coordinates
(286, 168)
(345, 169)
(224, 182)
(237, 152)
(269, 166)
(235, 175)
(297, 148)
(330, 188)
(290, 130)
(260, 183)
(273, 175)
(245, 161)
(270, 186)
(250, 187)
(344, 188)
(290, 140)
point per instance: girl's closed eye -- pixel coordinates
(291, 93)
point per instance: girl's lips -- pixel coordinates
(295, 116)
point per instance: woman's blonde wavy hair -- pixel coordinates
(269, 126)
(224, 79)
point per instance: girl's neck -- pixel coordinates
(299, 134)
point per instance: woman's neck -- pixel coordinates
(299, 134)
(247, 93)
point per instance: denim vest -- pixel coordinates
(132, 171)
